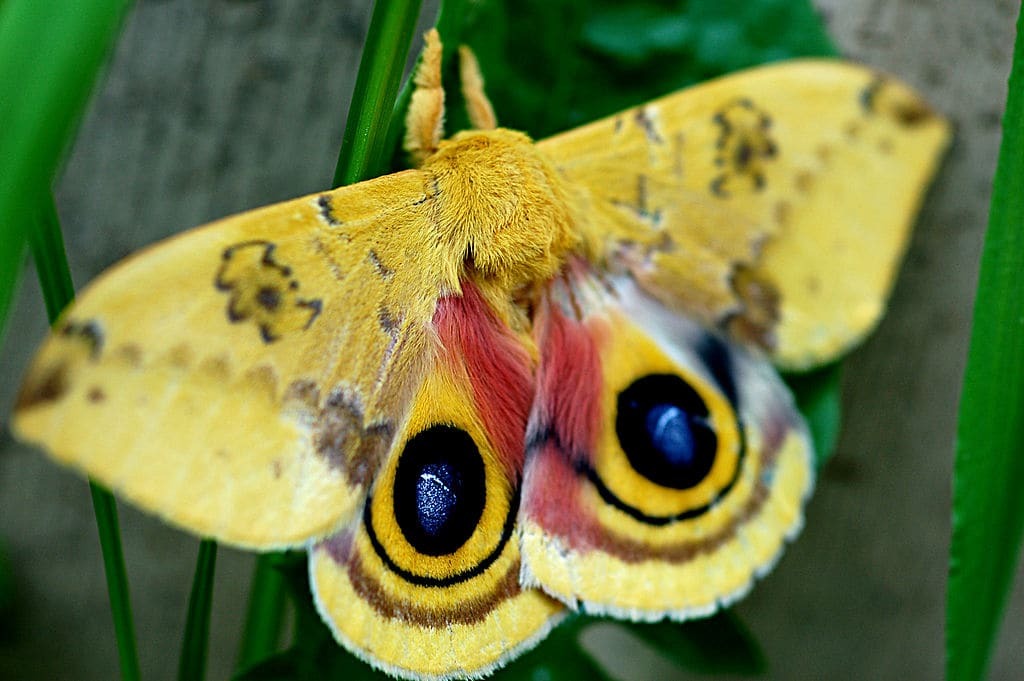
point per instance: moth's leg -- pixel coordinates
(481, 113)
(424, 123)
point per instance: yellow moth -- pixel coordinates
(521, 378)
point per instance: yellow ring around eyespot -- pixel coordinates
(631, 355)
(398, 644)
(399, 589)
(443, 400)
(620, 524)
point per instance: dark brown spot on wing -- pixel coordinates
(180, 356)
(96, 394)
(755, 322)
(383, 271)
(678, 145)
(265, 290)
(326, 207)
(269, 298)
(882, 98)
(262, 378)
(49, 385)
(782, 212)
(348, 444)
(130, 354)
(640, 207)
(744, 147)
(304, 391)
(803, 181)
(646, 121)
(218, 368)
(88, 332)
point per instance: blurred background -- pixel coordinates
(213, 107)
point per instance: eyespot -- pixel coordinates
(663, 427)
(440, 490)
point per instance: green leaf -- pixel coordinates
(720, 644)
(559, 658)
(555, 65)
(7, 595)
(613, 32)
(818, 399)
(314, 654)
(988, 506)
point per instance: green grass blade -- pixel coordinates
(195, 642)
(263, 619)
(107, 524)
(988, 507)
(380, 72)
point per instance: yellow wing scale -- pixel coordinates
(804, 178)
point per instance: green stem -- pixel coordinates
(263, 619)
(192, 665)
(47, 246)
(380, 71)
(117, 580)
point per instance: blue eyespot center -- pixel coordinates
(664, 429)
(439, 490)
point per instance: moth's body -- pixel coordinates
(519, 377)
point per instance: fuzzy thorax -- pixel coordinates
(504, 211)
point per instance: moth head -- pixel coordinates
(505, 210)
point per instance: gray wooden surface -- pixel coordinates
(216, 106)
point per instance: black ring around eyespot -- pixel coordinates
(465, 575)
(582, 467)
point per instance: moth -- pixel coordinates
(520, 379)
